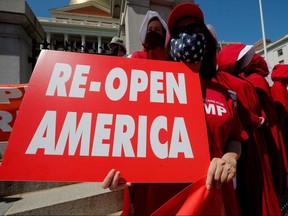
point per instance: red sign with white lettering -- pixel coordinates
(11, 96)
(84, 114)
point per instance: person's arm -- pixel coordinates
(223, 170)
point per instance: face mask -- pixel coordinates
(115, 51)
(188, 48)
(153, 40)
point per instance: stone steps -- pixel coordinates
(73, 199)
(56, 198)
(8, 188)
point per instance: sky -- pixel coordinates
(234, 20)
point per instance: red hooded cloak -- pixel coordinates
(256, 72)
(280, 95)
(254, 178)
(158, 53)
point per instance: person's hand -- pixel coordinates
(111, 181)
(262, 120)
(221, 170)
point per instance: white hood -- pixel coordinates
(144, 25)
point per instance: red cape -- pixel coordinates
(255, 72)
(280, 95)
(254, 176)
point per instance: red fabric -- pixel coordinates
(280, 95)
(155, 54)
(247, 101)
(280, 73)
(149, 197)
(227, 62)
(275, 144)
(257, 65)
(194, 200)
(221, 127)
(279, 90)
(254, 177)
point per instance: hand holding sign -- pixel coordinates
(112, 181)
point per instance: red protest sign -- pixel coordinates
(11, 96)
(85, 114)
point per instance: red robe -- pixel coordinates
(254, 177)
(255, 72)
(155, 54)
(280, 95)
(221, 128)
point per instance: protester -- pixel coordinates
(255, 72)
(117, 47)
(254, 179)
(280, 95)
(154, 37)
(186, 23)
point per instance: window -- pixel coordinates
(280, 52)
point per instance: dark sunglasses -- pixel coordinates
(190, 28)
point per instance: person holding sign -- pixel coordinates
(193, 44)
(154, 37)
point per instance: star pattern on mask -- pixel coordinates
(188, 48)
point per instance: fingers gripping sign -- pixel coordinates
(111, 181)
(220, 171)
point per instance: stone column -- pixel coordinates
(20, 31)
(83, 43)
(48, 38)
(66, 39)
(99, 44)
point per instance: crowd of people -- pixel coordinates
(248, 143)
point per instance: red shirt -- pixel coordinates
(155, 54)
(222, 126)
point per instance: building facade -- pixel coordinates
(277, 52)
(20, 34)
(89, 25)
(82, 26)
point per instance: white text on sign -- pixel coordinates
(114, 135)
(139, 82)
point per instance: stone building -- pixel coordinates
(20, 32)
(81, 26)
(277, 51)
(89, 25)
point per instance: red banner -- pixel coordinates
(85, 114)
(11, 96)
(194, 200)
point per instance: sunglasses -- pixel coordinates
(189, 29)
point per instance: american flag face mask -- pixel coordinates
(188, 47)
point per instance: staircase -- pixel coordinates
(57, 198)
